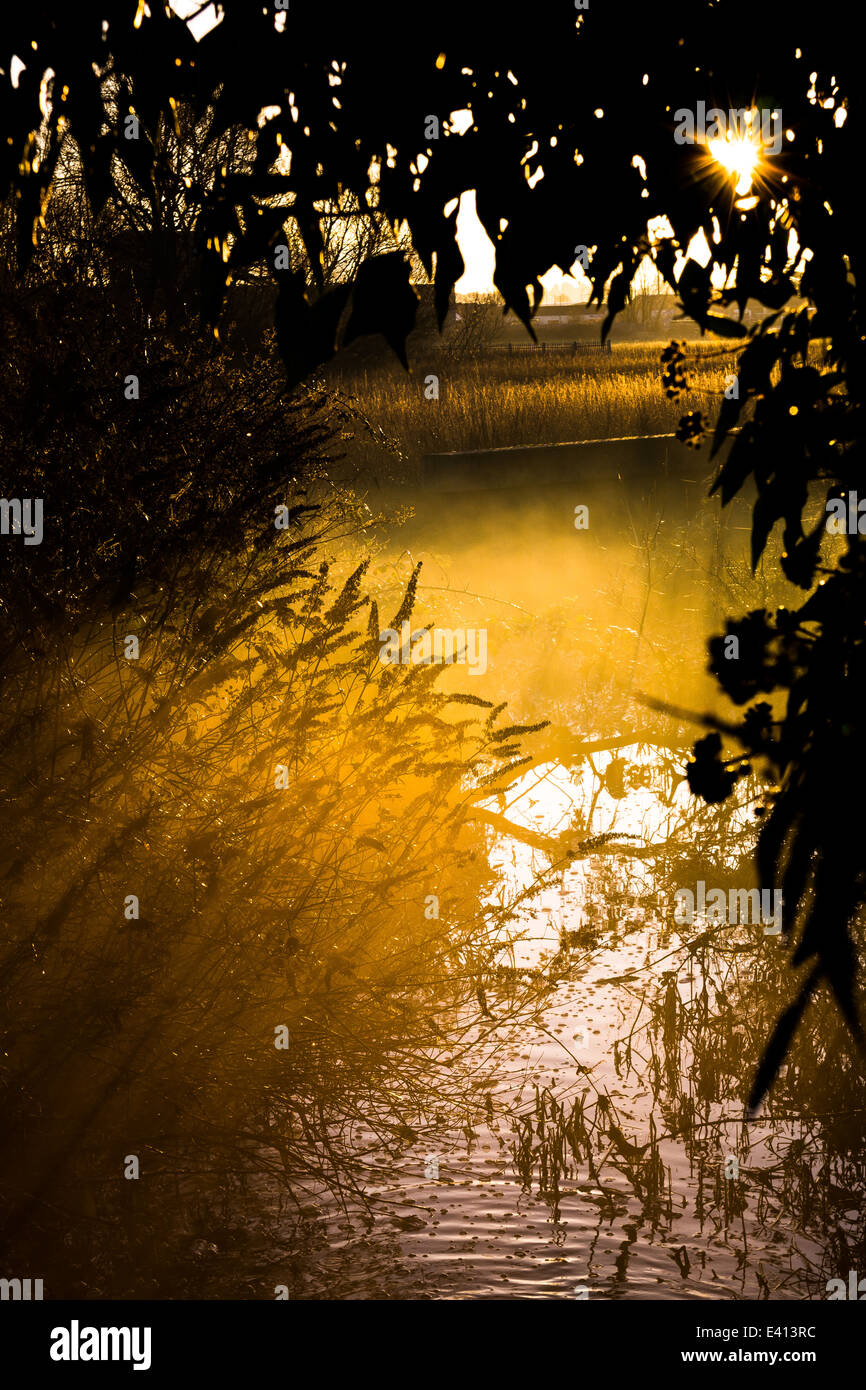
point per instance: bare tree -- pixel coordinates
(474, 326)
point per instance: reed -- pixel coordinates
(495, 401)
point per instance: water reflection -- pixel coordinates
(608, 1151)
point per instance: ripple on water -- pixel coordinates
(479, 1231)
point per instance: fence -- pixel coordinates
(572, 349)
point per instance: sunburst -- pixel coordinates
(739, 155)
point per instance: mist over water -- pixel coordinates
(609, 1155)
(380, 894)
(430, 865)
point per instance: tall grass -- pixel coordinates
(499, 401)
(241, 899)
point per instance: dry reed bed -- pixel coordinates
(495, 401)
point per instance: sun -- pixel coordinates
(739, 156)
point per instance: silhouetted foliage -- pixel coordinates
(296, 904)
(353, 108)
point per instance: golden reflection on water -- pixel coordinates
(610, 1152)
(607, 1148)
(540, 1089)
